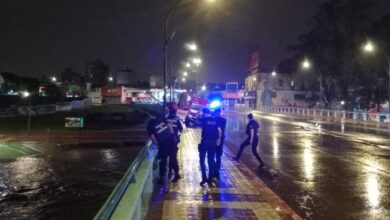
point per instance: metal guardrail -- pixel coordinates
(146, 155)
(332, 114)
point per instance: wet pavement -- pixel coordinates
(239, 194)
(333, 172)
(61, 181)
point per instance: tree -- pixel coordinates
(338, 29)
(1, 83)
(98, 73)
(70, 76)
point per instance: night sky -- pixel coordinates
(45, 36)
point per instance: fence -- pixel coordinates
(336, 115)
(130, 198)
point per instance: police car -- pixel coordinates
(194, 114)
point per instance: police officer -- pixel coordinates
(162, 134)
(211, 138)
(252, 129)
(219, 150)
(175, 123)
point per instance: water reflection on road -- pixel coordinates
(333, 172)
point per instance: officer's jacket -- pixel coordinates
(174, 121)
(159, 128)
(210, 129)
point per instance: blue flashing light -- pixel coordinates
(215, 104)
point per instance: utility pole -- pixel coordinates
(29, 116)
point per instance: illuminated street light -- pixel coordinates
(110, 78)
(185, 73)
(342, 102)
(273, 73)
(53, 79)
(369, 47)
(192, 46)
(25, 94)
(254, 79)
(167, 39)
(203, 88)
(184, 79)
(197, 61)
(188, 65)
(306, 64)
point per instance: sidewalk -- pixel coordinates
(240, 194)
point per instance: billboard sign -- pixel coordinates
(74, 122)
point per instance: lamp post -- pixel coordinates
(370, 48)
(27, 95)
(306, 64)
(166, 44)
(197, 62)
(167, 40)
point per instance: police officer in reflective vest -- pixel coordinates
(219, 150)
(175, 123)
(211, 138)
(162, 134)
(252, 129)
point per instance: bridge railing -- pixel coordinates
(130, 198)
(337, 115)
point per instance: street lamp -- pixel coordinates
(192, 46)
(306, 64)
(185, 73)
(369, 48)
(110, 78)
(53, 79)
(184, 79)
(27, 95)
(203, 88)
(197, 61)
(188, 65)
(273, 73)
(167, 40)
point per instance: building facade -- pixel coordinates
(266, 89)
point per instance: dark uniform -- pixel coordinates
(174, 121)
(255, 126)
(165, 139)
(208, 146)
(219, 150)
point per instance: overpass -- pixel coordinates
(240, 194)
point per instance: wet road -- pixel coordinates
(62, 181)
(336, 172)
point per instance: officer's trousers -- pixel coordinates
(165, 150)
(254, 149)
(207, 148)
(173, 163)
